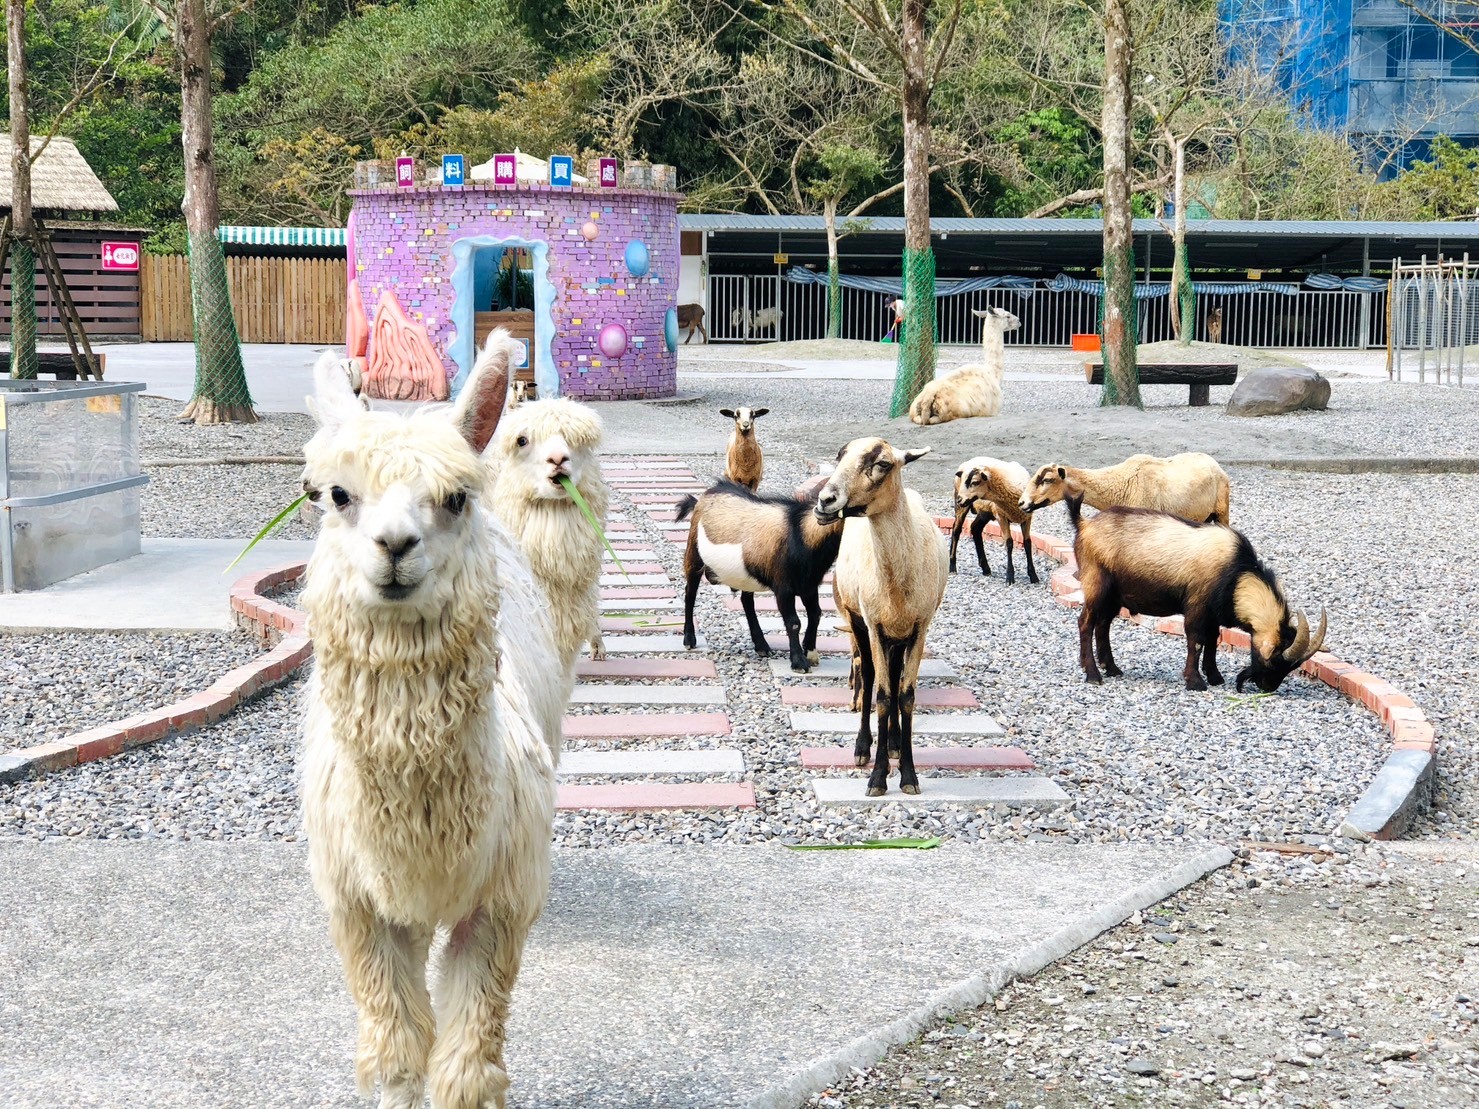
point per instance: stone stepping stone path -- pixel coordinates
(841, 667)
(642, 621)
(1038, 793)
(940, 758)
(840, 697)
(846, 723)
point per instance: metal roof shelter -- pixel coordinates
(1045, 247)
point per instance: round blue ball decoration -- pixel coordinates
(638, 260)
(670, 328)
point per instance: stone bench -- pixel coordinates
(1199, 375)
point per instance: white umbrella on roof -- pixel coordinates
(526, 168)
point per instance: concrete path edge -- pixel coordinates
(282, 629)
(980, 987)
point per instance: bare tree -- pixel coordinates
(1121, 376)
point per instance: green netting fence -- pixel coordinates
(219, 374)
(23, 361)
(917, 343)
(1186, 296)
(834, 301)
(1123, 266)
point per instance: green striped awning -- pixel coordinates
(282, 236)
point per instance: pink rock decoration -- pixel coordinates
(612, 340)
(403, 363)
(589, 230)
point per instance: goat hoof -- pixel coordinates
(800, 666)
(952, 566)
(912, 790)
(862, 760)
(877, 791)
(813, 658)
(1215, 678)
(762, 649)
(1197, 686)
(1113, 672)
(1093, 679)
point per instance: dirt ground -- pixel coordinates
(1318, 980)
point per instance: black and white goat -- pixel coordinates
(1162, 565)
(759, 543)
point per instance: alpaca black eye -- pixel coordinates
(456, 503)
(340, 497)
(522, 440)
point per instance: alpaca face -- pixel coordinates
(543, 441)
(998, 318)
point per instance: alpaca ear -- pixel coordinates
(914, 456)
(333, 401)
(727, 412)
(480, 405)
(979, 314)
(758, 412)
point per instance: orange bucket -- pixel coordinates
(1084, 342)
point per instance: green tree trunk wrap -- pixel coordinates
(917, 350)
(1119, 278)
(219, 374)
(23, 361)
(834, 302)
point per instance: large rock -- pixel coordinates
(1276, 389)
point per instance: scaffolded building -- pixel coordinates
(1389, 74)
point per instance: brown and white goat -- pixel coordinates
(743, 462)
(890, 579)
(1161, 565)
(759, 543)
(1190, 485)
(991, 488)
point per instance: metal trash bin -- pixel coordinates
(69, 478)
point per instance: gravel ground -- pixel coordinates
(54, 685)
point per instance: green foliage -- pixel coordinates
(843, 168)
(1445, 187)
(1051, 153)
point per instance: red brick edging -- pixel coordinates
(1399, 714)
(279, 626)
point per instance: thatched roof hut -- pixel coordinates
(61, 180)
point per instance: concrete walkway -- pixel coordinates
(190, 974)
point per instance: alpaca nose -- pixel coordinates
(397, 546)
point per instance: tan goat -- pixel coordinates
(1191, 485)
(743, 462)
(889, 580)
(992, 488)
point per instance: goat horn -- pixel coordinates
(1318, 639)
(1294, 652)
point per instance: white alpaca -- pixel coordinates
(431, 735)
(975, 388)
(536, 444)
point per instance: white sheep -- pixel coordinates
(431, 734)
(889, 580)
(747, 323)
(992, 489)
(768, 319)
(973, 389)
(1190, 485)
(743, 462)
(536, 444)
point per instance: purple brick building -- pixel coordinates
(587, 258)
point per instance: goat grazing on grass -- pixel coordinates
(743, 462)
(537, 444)
(992, 488)
(1162, 565)
(973, 389)
(431, 734)
(757, 543)
(1189, 485)
(890, 578)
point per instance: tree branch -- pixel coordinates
(1084, 196)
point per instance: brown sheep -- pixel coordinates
(743, 462)
(992, 488)
(1189, 485)
(1161, 565)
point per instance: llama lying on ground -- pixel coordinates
(973, 389)
(889, 581)
(756, 543)
(1189, 485)
(743, 462)
(992, 488)
(1162, 565)
(431, 734)
(536, 444)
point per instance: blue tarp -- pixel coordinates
(894, 286)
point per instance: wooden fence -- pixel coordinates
(274, 300)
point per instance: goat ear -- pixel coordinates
(1062, 473)
(333, 401)
(907, 457)
(727, 412)
(756, 413)
(484, 394)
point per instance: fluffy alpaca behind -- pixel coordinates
(431, 734)
(537, 443)
(973, 389)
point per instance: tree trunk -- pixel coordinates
(834, 286)
(22, 222)
(1183, 296)
(917, 352)
(221, 394)
(1121, 383)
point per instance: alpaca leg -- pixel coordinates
(786, 604)
(478, 972)
(813, 618)
(598, 645)
(385, 968)
(1027, 550)
(757, 636)
(978, 528)
(961, 512)
(863, 664)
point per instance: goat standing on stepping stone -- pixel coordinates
(890, 579)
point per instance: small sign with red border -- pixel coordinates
(405, 172)
(608, 173)
(121, 257)
(505, 169)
